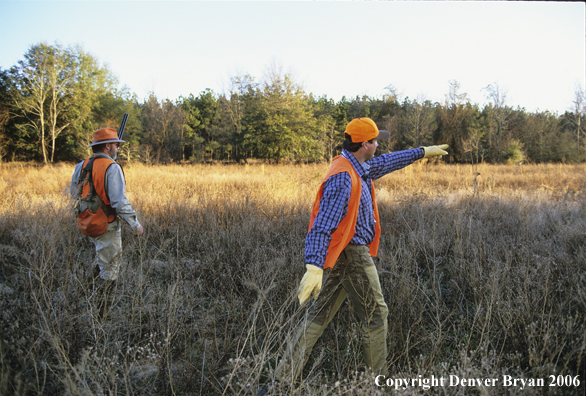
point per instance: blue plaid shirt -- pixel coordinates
(336, 195)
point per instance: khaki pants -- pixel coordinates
(109, 251)
(353, 276)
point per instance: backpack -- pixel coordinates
(90, 211)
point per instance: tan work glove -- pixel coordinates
(435, 152)
(310, 283)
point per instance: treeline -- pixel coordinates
(52, 100)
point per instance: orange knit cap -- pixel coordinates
(364, 129)
(106, 135)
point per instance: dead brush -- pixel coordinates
(483, 275)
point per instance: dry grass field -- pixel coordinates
(483, 269)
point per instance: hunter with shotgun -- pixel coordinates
(99, 190)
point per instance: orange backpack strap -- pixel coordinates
(88, 188)
(86, 176)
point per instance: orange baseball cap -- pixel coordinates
(106, 135)
(364, 129)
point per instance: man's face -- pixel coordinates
(370, 148)
(113, 150)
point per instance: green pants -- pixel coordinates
(353, 276)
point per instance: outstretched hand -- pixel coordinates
(435, 152)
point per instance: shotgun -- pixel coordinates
(122, 125)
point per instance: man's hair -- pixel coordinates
(99, 148)
(350, 145)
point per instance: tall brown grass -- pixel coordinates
(483, 268)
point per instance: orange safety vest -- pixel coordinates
(342, 236)
(100, 167)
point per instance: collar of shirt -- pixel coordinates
(104, 155)
(361, 169)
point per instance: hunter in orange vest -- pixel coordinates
(343, 237)
(108, 183)
(344, 233)
(97, 224)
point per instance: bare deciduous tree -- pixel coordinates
(419, 117)
(163, 130)
(579, 104)
(32, 88)
(54, 87)
(497, 118)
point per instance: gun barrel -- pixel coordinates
(122, 125)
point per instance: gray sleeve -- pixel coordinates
(116, 191)
(74, 180)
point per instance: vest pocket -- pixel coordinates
(92, 223)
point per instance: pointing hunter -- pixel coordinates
(343, 238)
(98, 187)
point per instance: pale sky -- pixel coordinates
(535, 51)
